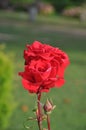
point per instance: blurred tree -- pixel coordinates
(78, 2)
(61, 4)
(58, 4)
(7, 103)
(20, 5)
(4, 3)
(21, 1)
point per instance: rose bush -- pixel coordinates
(44, 67)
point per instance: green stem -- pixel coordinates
(39, 117)
(48, 121)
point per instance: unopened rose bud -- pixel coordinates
(48, 106)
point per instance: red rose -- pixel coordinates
(44, 67)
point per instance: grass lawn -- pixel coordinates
(15, 32)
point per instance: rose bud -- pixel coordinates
(48, 107)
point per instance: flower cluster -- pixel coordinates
(44, 67)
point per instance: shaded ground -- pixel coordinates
(4, 36)
(47, 27)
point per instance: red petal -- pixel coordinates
(46, 74)
(60, 82)
(36, 44)
(61, 71)
(30, 87)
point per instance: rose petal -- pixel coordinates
(60, 82)
(33, 88)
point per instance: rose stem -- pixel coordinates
(39, 111)
(48, 121)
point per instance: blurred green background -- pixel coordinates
(58, 23)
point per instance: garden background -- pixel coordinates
(58, 23)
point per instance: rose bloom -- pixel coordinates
(44, 67)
